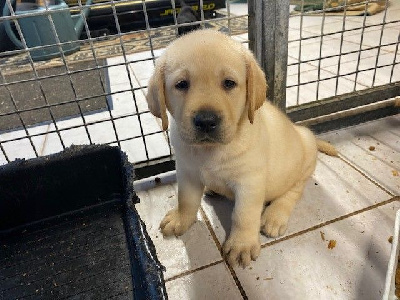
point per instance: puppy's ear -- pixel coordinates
(156, 93)
(256, 85)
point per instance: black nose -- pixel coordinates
(206, 121)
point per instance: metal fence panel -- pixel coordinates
(87, 84)
(57, 90)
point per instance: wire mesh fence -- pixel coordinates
(76, 72)
(88, 85)
(338, 47)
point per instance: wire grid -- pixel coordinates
(332, 53)
(119, 75)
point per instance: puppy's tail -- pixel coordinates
(327, 148)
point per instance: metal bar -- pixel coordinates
(75, 8)
(99, 67)
(80, 126)
(270, 44)
(54, 31)
(152, 58)
(309, 37)
(361, 43)
(353, 120)
(340, 7)
(154, 167)
(349, 112)
(380, 40)
(108, 37)
(152, 53)
(68, 102)
(394, 58)
(346, 74)
(228, 10)
(320, 48)
(343, 102)
(341, 44)
(18, 113)
(346, 53)
(17, 26)
(174, 15)
(299, 57)
(4, 152)
(201, 7)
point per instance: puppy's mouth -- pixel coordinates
(203, 139)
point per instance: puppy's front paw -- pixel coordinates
(174, 223)
(274, 222)
(241, 249)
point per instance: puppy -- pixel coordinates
(228, 139)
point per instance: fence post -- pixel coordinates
(268, 35)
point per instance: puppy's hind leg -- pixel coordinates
(178, 220)
(275, 217)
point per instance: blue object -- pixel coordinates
(37, 29)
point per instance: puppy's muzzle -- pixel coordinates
(206, 122)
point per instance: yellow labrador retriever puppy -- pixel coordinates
(228, 139)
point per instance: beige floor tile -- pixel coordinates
(304, 267)
(192, 250)
(382, 163)
(214, 282)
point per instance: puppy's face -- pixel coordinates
(206, 80)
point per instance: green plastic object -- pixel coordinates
(37, 29)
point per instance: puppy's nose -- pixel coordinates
(206, 121)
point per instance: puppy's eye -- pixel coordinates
(228, 84)
(182, 85)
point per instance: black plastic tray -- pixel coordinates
(69, 229)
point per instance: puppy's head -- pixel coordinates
(210, 84)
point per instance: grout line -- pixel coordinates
(213, 235)
(313, 228)
(218, 244)
(366, 176)
(183, 274)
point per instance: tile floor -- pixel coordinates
(351, 199)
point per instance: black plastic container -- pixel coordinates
(69, 229)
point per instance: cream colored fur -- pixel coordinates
(260, 157)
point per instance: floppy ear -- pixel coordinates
(256, 86)
(156, 93)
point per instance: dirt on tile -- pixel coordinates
(331, 244)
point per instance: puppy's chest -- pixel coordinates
(218, 178)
